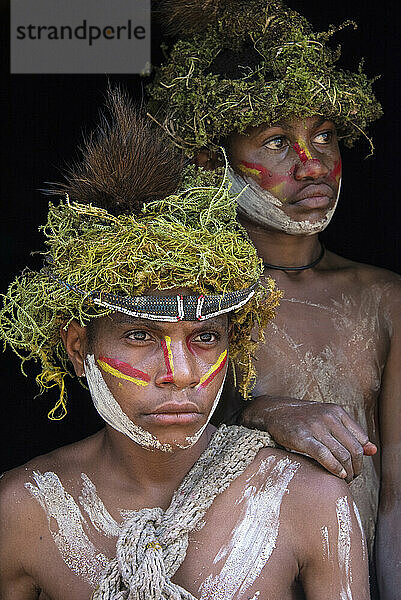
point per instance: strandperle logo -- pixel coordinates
(71, 36)
(87, 32)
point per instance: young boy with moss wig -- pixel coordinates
(149, 297)
(256, 78)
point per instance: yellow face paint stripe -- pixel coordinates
(248, 170)
(212, 372)
(168, 356)
(301, 148)
(306, 150)
(116, 373)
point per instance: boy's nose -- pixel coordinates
(179, 368)
(308, 166)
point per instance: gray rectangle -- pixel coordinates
(80, 36)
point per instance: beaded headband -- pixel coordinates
(167, 308)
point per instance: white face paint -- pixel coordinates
(261, 207)
(190, 441)
(111, 412)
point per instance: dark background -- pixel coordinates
(44, 116)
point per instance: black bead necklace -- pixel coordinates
(301, 268)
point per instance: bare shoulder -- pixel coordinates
(312, 499)
(68, 462)
(308, 478)
(25, 541)
(383, 285)
(366, 274)
(306, 488)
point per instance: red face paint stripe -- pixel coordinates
(125, 368)
(253, 169)
(219, 366)
(336, 172)
(303, 154)
(189, 345)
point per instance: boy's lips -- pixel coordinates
(179, 418)
(176, 407)
(174, 413)
(314, 196)
(315, 202)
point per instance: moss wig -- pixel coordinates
(131, 242)
(239, 64)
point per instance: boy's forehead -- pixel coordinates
(118, 318)
(293, 122)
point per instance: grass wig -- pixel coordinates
(129, 246)
(242, 64)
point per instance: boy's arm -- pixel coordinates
(388, 533)
(15, 526)
(332, 551)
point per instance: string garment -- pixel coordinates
(153, 543)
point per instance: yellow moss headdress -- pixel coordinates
(241, 64)
(190, 239)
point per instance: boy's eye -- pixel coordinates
(139, 336)
(324, 137)
(277, 143)
(205, 337)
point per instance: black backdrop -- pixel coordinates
(44, 116)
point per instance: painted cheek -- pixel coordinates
(168, 358)
(253, 170)
(213, 371)
(336, 172)
(123, 370)
(273, 182)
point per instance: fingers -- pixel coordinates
(338, 451)
(323, 431)
(369, 449)
(353, 427)
(347, 449)
(322, 454)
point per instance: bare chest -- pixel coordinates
(226, 558)
(325, 348)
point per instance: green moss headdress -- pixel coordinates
(241, 64)
(140, 242)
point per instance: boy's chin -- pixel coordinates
(179, 437)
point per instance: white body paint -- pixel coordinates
(111, 412)
(71, 539)
(254, 538)
(262, 208)
(343, 367)
(99, 516)
(344, 546)
(325, 539)
(358, 518)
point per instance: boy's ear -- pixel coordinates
(75, 342)
(208, 159)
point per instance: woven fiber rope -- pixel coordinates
(153, 543)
